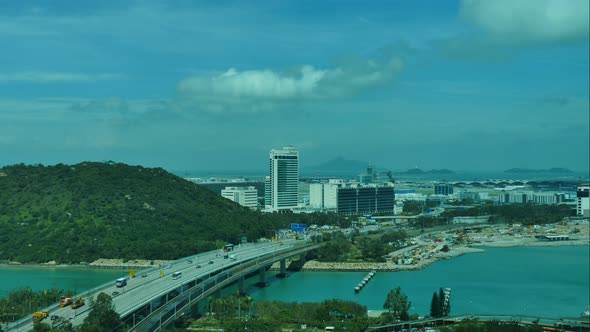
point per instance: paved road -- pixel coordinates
(146, 287)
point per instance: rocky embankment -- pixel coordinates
(428, 247)
(385, 266)
(119, 263)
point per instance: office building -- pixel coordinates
(443, 189)
(365, 199)
(583, 203)
(283, 182)
(351, 198)
(316, 195)
(245, 196)
(530, 197)
(322, 196)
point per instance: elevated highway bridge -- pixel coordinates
(154, 298)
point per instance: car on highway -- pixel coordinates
(210, 262)
(199, 266)
(54, 317)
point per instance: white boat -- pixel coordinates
(586, 313)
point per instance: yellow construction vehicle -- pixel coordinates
(40, 315)
(79, 302)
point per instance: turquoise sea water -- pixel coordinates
(41, 278)
(538, 281)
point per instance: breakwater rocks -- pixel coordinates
(385, 266)
(102, 263)
(119, 263)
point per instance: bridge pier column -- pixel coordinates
(241, 284)
(262, 278)
(283, 272)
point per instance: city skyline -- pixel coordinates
(463, 85)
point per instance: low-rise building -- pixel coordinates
(531, 197)
(365, 199)
(443, 189)
(245, 196)
(352, 197)
(583, 200)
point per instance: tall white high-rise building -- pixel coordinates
(283, 182)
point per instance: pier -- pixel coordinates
(364, 281)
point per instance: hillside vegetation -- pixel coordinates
(78, 213)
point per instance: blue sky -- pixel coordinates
(195, 85)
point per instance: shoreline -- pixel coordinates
(99, 264)
(477, 247)
(426, 249)
(316, 266)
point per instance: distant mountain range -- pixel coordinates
(340, 166)
(417, 171)
(553, 170)
(337, 166)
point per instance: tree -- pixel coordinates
(62, 325)
(102, 316)
(435, 305)
(398, 305)
(41, 327)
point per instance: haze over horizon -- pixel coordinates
(464, 85)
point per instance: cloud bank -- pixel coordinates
(529, 21)
(257, 90)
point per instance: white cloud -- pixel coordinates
(254, 83)
(529, 21)
(262, 90)
(55, 77)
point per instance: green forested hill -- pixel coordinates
(78, 213)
